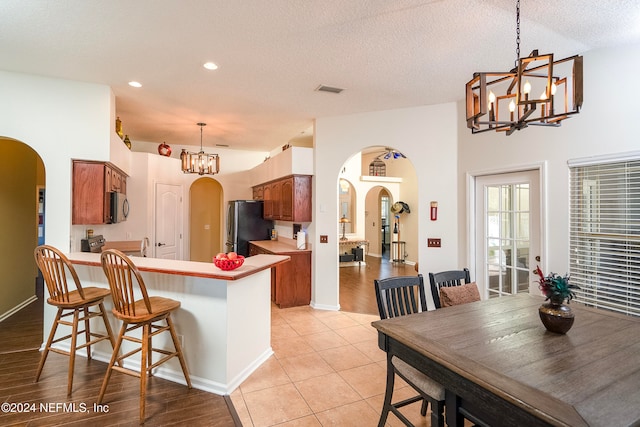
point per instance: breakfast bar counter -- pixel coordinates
(224, 321)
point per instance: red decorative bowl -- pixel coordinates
(229, 264)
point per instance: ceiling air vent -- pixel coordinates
(323, 88)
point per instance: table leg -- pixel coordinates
(452, 415)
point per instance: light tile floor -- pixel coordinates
(327, 370)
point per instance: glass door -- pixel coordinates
(507, 232)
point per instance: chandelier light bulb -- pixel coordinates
(527, 87)
(512, 106)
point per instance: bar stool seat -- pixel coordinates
(145, 314)
(76, 303)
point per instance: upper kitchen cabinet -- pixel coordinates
(287, 199)
(92, 183)
(284, 183)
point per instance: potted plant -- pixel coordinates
(556, 288)
(555, 315)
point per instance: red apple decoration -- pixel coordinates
(232, 255)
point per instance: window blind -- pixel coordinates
(605, 235)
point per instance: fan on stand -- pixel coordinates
(397, 245)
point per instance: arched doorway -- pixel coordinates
(22, 200)
(380, 176)
(206, 214)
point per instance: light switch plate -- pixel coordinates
(434, 242)
(324, 239)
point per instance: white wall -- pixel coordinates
(61, 120)
(604, 126)
(426, 135)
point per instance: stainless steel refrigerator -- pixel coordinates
(245, 223)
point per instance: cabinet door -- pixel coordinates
(258, 192)
(267, 213)
(276, 197)
(89, 203)
(301, 198)
(286, 204)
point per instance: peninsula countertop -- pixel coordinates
(250, 266)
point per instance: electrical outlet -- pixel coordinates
(434, 242)
(128, 235)
(181, 339)
(324, 239)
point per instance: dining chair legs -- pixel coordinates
(393, 407)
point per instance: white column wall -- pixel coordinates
(61, 120)
(426, 135)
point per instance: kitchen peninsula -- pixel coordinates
(224, 321)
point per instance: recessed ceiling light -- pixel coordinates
(135, 84)
(210, 66)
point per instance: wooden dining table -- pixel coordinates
(501, 367)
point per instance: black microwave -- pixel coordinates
(119, 207)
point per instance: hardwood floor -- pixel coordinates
(357, 294)
(168, 403)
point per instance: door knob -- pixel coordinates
(161, 244)
(538, 258)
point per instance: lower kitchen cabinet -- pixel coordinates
(291, 281)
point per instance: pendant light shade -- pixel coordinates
(201, 162)
(538, 91)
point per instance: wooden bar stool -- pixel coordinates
(144, 313)
(77, 303)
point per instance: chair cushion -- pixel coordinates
(454, 295)
(419, 380)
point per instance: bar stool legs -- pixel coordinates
(148, 331)
(90, 337)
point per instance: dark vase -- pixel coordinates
(556, 316)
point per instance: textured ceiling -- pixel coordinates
(273, 54)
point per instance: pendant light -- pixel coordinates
(201, 162)
(538, 91)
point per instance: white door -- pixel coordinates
(168, 233)
(507, 232)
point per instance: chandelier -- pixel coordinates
(201, 162)
(538, 91)
(390, 153)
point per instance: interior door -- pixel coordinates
(507, 222)
(168, 232)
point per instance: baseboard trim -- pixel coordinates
(17, 308)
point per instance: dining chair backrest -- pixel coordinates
(399, 296)
(123, 277)
(54, 266)
(447, 279)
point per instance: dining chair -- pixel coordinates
(452, 287)
(400, 296)
(151, 314)
(71, 303)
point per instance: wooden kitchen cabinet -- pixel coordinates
(276, 200)
(267, 210)
(287, 199)
(258, 192)
(92, 183)
(291, 281)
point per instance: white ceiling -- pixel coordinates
(272, 54)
